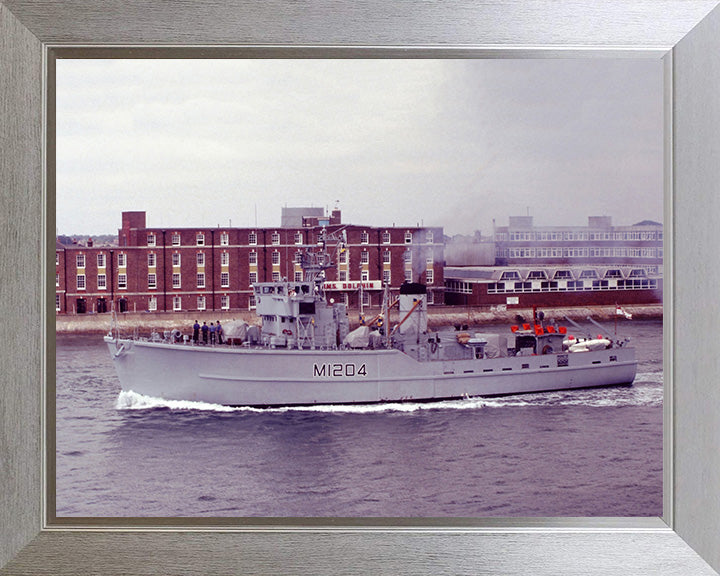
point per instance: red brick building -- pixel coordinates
(196, 269)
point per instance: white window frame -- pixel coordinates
(364, 257)
(199, 239)
(80, 260)
(253, 277)
(101, 260)
(152, 281)
(176, 259)
(252, 258)
(386, 237)
(201, 279)
(177, 303)
(275, 258)
(408, 237)
(275, 239)
(151, 240)
(224, 279)
(201, 305)
(298, 238)
(276, 277)
(80, 282)
(176, 280)
(386, 257)
(200, 259)
(122, 281)
(175, 239)
(225, 302)
(252, 239)
(152, 304)
(224, 239)
(102, 281)
(152, 260)
(364, 237)
(224, 259)
(122, 260)
(387, 277)
(57, 303)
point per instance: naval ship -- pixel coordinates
(304, 353)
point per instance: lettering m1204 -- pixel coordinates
(348, 370)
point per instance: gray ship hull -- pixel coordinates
(247, 376)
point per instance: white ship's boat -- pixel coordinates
(304, 353)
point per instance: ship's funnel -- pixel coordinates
(413, 308)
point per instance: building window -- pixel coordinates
(342, 276)
(102, 282)
(431, 297)
(225, 280)
(177, 303)
(386, 276)
(407, 257)
(57, 302)
(298, 238)
(201, 280)
(201, 258)
(152, 304)
(122, 260)
(364, 257)
(151, 240)
(276, 258)
(225, 302)
(176, 259)
(101, 260)
(201, 302)
(364, 239)
(80, 279)
(176, 280)
(253, 278)
(408, 275)
(224, 239)
(408, 237)
(57, 259)
(80, 260)
(122, 281)
(429, 237)
(251, 302)
(176, 239)
(429, 276)
(152, 260)
(152, 281)
(343, 257)
(276, 276)
(275, 239)
(386, 237)
(252, 239)
(366, 300)
(252, 258)
(57, 279)
(364, 276)
(386, 257)
(225, 259)
(298, 276)
(200, 239)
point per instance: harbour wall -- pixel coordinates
(438, 316)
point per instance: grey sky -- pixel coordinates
(453, 143)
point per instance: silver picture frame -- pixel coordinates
(684, 33)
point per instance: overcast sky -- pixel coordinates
(452, 143)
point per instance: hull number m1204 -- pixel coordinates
(338, 370)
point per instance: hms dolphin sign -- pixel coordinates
(369, 285)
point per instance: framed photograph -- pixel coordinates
(683, 538)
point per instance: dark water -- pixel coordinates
(579, 453)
